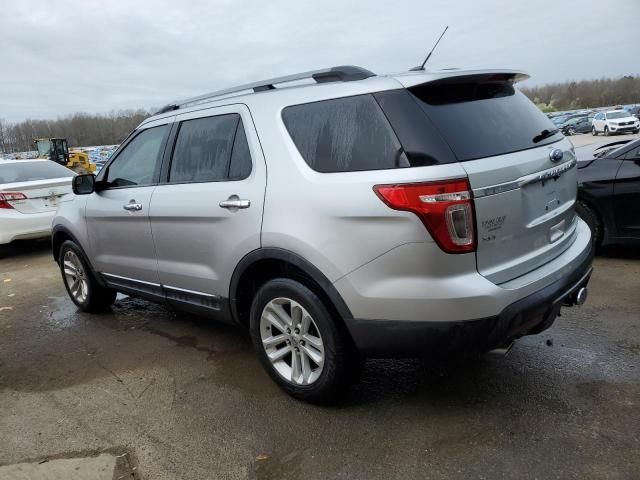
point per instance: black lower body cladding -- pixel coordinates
(530, 315)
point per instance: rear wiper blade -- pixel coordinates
(545, 134)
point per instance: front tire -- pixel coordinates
(594, 132)
(82, 286)
(606, 131)
(299, 343)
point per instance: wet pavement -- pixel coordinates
(183, 397)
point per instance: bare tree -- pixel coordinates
(604, 92)
(80, 129)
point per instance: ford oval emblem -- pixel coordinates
(555, 155)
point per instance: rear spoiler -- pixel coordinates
(412, 79)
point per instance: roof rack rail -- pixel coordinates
(345, 73)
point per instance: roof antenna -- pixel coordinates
(421, 67)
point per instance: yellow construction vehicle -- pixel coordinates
(57, 150)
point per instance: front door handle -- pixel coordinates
(234, 203)
(132, 206)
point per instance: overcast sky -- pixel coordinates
(60, 57)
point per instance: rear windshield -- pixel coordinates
(481, 116)
(25, 171)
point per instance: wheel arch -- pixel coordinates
(59, 235)
(594, 206)
(264, 264)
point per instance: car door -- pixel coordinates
(583, 125)
(598, 122)
(627, 195)
(118, 213)
(207, 212)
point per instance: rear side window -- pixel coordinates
(344, 135)
(240, 166)
(211, 149)
(25, 171)
(203, 149)
(483, 116)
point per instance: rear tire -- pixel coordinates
(82, 286)
(323, 366)
(592, 220)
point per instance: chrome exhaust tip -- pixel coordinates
(576, 298)
(581, 296)
(502, 351)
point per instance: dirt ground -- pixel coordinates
(186, 398)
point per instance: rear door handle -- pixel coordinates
(234, 203)
(132, 206)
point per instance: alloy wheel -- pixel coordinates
(75, 276)
(292, 341)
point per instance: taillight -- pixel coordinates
(6, 197)
(445, 208)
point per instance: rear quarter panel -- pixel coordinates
(333, 220)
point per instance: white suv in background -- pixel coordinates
(614, 121)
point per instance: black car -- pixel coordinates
(609, 192)
(576, 125)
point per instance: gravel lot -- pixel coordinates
(186, 398)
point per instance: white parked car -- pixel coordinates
(614, 121)
(30, 193)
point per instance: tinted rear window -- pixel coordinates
(25, 171)
(203, 149)
(344, 135)
(481, 117)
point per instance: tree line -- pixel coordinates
(604, 92)
(80, 129)
(84, 129)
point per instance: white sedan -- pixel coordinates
(30, 193)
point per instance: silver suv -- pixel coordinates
(338, 214)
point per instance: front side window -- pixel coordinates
(344, 135)
(633, 154)
(138, 163)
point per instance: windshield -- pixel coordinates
(620, 114)
(44, 148)
(25, 171)
(480, 116)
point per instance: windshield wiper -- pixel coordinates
(545, 134)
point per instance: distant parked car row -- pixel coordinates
(607, 123)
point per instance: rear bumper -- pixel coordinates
(529, 315)
(19, 226)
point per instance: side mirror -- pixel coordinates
(84, 184)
